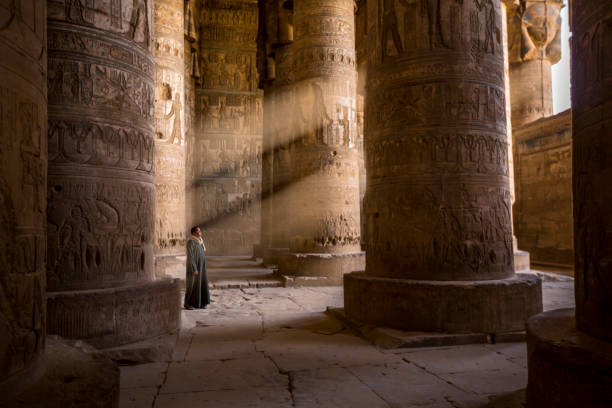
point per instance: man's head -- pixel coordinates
(195, 231)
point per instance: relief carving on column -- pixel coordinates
(101, 108)
(534, 30)
(23, 175)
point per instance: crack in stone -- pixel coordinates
(281, 372)
(450, 401)
(159, 387)
(390, 405)
(439, 377)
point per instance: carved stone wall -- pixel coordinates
(228, 145)
(438, 205)
(101, 193)
(169, 113)
(534, 45)
(23, 165)
(592, 166)
(543, 211)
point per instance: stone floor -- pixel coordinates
(275, 347)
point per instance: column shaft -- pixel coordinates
(438, 205)
(23, 165)
(324, 190)
(101, 207)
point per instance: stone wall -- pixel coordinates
(543, 216)
(23, 171)
(229, 115)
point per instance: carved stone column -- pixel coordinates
(101, 203)
(23, 161)
(570, 360)
(324, 190)
(534, 44)
(228, 143)
(169, 112)
(439, 237)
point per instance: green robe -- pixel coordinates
(196, 286)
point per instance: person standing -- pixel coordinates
(197, 295)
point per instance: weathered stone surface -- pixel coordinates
(115, 316)
(534, 45)
(170, 226)
(543, 219)
(100, 216)
(486, 306)
(23, 172)
(75, 376)
(319, 269)
(567, 367)
(324, 191)
(592, 167)
(228, 144)
(258, 397)
(438, 202)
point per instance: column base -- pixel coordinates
(318, 269)
(521, 261)
(567, 367)
(170, 266)
(272, 255)
(75, 376)
(111, 317)
(486, 306)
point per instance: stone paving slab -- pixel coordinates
(194, 376)
(260, 397)
(143, 375)
(276, 347)
(332, 387)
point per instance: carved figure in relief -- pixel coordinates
(175, 110)
(389, 25)
(320, 118)
(139, 23)
(74, 11)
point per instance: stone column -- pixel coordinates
(324, 191)
(228, 143)
(101, 203)
(570, 359)
(169, 115)
(521, 258)
(23, 161)
(534, 41)
(438, 211)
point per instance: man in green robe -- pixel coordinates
(197, 295)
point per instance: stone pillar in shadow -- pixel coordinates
(23, 161)
(438, 211)
(170, 125)
(534, 45)
(324, 189)
(570, 354)
(101, 202)
(277, 72)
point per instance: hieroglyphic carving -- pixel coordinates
(23, 165)
(543, 219)
(437, 203)
(228, 147)
(170, 125)
(317, 140)
(100, 222)
(592, 167)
